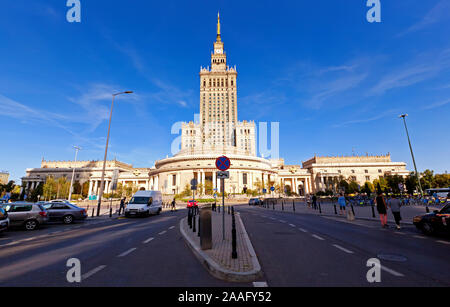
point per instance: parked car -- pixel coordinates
(254, 202)
(144, 203)
(437, 221)
(65, 212)
(28, 215)
(192, 203)
(4, 220)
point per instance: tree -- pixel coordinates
(427, 179)
(85, 189)
(441, 181)
(38, 191)
(392, 183)
(76, 188)
(368, 188)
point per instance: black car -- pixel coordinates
(65, 212)
(437, 221)
(254, 202)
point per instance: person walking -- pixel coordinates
(395, 205)
(342, 203)
(314, 201)
(173, 206)
(381, 208)
(122, 205)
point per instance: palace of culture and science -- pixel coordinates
(218, 132)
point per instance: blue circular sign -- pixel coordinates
(223, 163)
(272, 189)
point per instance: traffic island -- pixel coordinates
(218, 260)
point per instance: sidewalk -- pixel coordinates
(364, 213)
(218, 260)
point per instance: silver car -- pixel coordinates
(65, 212)
(4, 220)
(28, 215)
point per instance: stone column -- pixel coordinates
(214, 179)
(96, 187)
(90, 187)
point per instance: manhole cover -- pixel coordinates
(392, 257)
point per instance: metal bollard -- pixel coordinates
(233, 236)
(282, 205)
(320, 208)
(199, 223)
(335, 210)
(353, 211)
(92, 212)
(373, 211)
(193, 223)
(190, 218)
(293, 205)
(273, 205)
(110, 211)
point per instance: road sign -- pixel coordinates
(223, 175)
(272, 189)
(194, 181)
(223, 163)
(264, 191)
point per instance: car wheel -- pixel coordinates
(159, 211)
(68, 219)
(427, 228)
(31, 225)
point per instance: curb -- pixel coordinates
(340, 216)
(215, 269)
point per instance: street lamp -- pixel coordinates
(73, 172)
(412, 155)
(102, 182)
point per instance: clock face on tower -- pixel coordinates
(218, 51)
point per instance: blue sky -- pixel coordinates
(335, 82)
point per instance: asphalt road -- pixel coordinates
(120, 252)
(308, 250)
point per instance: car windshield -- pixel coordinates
(139, 200)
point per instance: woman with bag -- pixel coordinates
(381, 208)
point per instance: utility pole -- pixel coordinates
(102, 182)
(73, 172)
(412, 154)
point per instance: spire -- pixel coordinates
(218, 27)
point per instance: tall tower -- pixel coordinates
(218, 98)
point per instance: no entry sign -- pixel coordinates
(223, 163)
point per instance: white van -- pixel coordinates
(144, 203)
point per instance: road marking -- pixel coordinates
(317, 237)
(343, 249)
(29, 239)
(127, 252)
(148, 240)
(92, 272)
(443, 242)
(304, 230)
(292, 225)
(419, 237)
(282, 221)
(392, 271)
(260, 284)
(171, 227)
(162, 232)
(400, 233)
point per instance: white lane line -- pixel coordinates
(148, 240)
(443, 242)
(419, 237)
(29, 239)
(292, 225)
(304, 230)
(171, 227)
(92, 272)
(260, 284)
(343, 249)
(317, 237)
(395, 273)
(400, 233)
(127, 252)
(162, 232)
(282, 221)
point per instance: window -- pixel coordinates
(20, 208)
(353, 171)
(366, 171)
(379, 171)
(174, 179)
(367, 178)
(244, 178)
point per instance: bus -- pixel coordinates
(441, 193)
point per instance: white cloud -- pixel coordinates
(438, 13)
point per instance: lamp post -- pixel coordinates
(102, 181)
(73, 172)
(412, 154)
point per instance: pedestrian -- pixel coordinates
(122, 205)
(173, 206)
(381, 208)
(395, 205)
(342, 203)
(314, 201)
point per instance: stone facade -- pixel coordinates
(4, 177)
